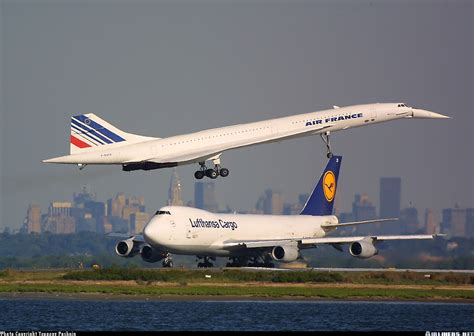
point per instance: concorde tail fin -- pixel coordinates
(90, 132)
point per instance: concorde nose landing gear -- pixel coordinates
(205, 261)
(325, 137)
(212, 173)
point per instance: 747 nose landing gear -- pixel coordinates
(168, 261)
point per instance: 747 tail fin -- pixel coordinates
(89, 131)
(321, 201)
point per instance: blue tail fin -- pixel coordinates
(321, 201)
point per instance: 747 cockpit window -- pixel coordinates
(159, 212)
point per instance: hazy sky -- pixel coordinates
(164, 68)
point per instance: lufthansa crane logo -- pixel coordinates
(329, 185)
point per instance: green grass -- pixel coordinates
(16, 275)
(199, 275)
(193, 282)
(304, 276)
(260, 291)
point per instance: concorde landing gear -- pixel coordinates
(212, 173)
(205, 261)
(325, 137)
(168, 261)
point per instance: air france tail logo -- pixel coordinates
(85, 132)
(329, 185)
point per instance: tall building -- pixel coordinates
(390, 197)
(115, 206)
(273, 203)
(205, 196)
(470, 222)
(409, 220)
(431, 225)
(458, 222)
(128, 210)
(96, 209)
(60, 209)
(119, 210)
(104, 225)
(302, 199)
(59, 219)
(291, 209)
(363, 209)
(174, 192)
(390, 200)
(85, 195)
(33, 219)
(138, 221)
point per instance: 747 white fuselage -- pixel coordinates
(185, 230)
(241, 237)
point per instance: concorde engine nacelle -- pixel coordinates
(127, 248)
(362, 249)
(150, 254)
(285, 253)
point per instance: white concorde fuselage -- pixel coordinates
(204, 145)
(185, 230)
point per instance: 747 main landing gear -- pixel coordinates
(212, 173)
(325, 137)
(206, 262)
(254, 261)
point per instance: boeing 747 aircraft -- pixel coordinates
(95, 141)
(254, 240)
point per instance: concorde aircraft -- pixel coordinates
(95, 141)
(251, 240)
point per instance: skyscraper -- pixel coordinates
(174, 192)
(33, 219)
(458, 222)
(85, 195)
(362, 209)
(205, 196)
(59, 219)
(115, 206)
(273, 203)
(138, 221)
(409, 222)
(390, 197)
(390, 200)
(431, 225)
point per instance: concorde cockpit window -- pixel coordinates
(160, 212)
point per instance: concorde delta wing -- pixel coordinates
(207, 153)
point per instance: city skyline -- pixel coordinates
(128, 214)
(162, 69)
